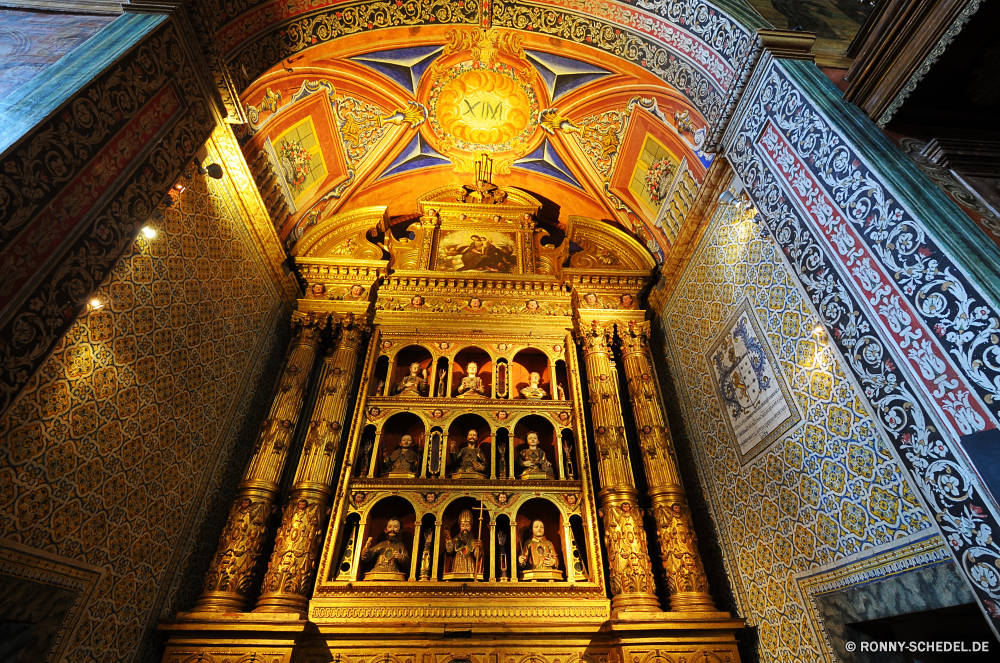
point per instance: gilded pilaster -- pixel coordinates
(629, 568)
(297, 545)
(231, 575)
(685, 573)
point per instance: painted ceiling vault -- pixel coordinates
(379, 118)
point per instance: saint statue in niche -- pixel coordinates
(469, 461)
(404, 461)
(532, 461)
(390, 556)
(538, 557)
(533, 391)
(414, 384)
(471, 385)
(466, 548)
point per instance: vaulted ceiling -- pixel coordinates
(600, 113)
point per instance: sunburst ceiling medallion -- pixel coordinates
(483, 107)
(483, 95)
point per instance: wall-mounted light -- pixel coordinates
(180, 187)
(213, 170)
(727, 197)
(149, 232)
(96, 304)
(819, 331)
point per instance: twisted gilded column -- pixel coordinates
(297, 545)
(629, 568)
(230, 576)
(686, 579)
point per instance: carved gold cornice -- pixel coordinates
(717, 180)
(224, 150)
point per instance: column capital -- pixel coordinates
(633, 335)
(351, 332)
(596, 336)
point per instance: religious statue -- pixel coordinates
(469, 461)
(561, 391)
(466, 548)
(538, 557)
(391, 556)
(533, 391)
(532, 461)
(404, 461)
(414, 384)
(471, 385)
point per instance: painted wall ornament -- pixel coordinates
(845, 233)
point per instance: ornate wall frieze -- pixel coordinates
(459, 612)
(881, 282)
(150, 97)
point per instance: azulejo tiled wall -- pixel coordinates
(124, 449)
(827, 489)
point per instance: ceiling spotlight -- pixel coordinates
(727, 197)
(180, 187)
(149, 232)
(818, 330)
(95, 304)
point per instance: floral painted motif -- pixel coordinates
(658, 179)
(294, 161)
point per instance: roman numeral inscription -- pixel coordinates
(483, 110)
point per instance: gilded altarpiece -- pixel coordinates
(459, 499)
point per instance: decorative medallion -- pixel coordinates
(483, 107)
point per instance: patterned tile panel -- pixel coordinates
(918, 336)
(124, 446)
(827, 489)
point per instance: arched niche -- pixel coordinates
(425, 547)
(578, 553)
(551, 517)
(378, 384)
(458, 438)
(459, 369)
(461, 563)
(570, 457)
(439, 378)
(546, 442)
(346, 549)
(388, 462)
(405, 358)
(374, 525)
(436, 451)
(505, 566)
(366, 451)
(501, 454)
(561, 389)
(526, 362)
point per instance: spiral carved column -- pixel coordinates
(686, 579)
(630, 571)
(292, 568)
(231, 575)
